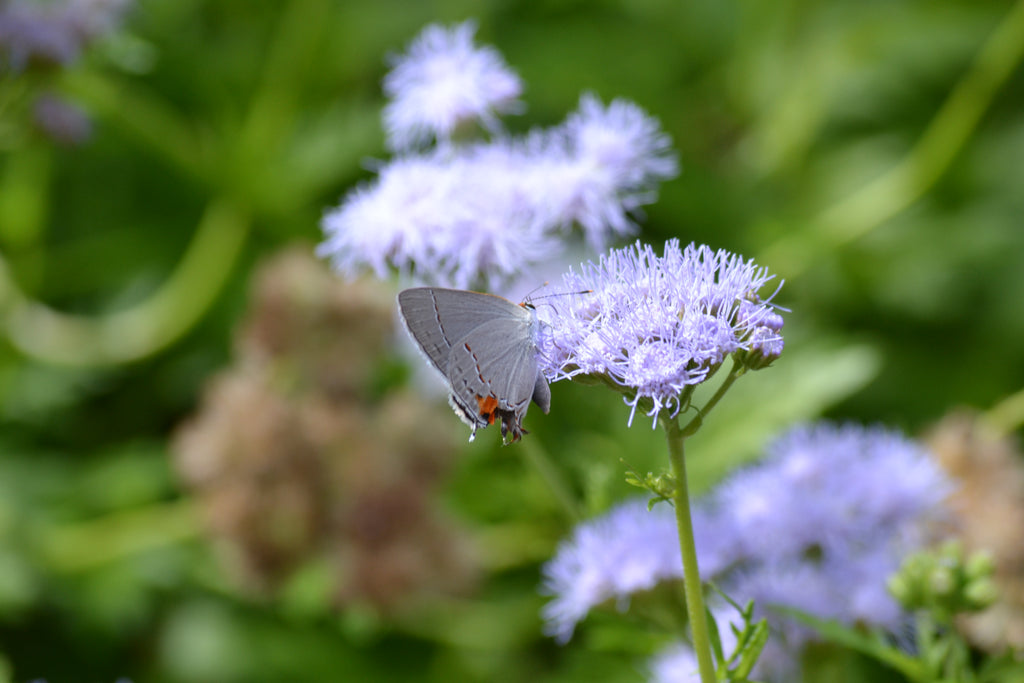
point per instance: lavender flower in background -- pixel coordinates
(444, 81)
(819, 525)
(628, 550)
(480, 215)
(621, 152)
(61, 120)
(862, 479)
(656, 325)
(675, 664)
(53, 34)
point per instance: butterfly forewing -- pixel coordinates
(436, 317)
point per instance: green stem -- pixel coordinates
(90, 544)
(691, 575)
(944, 138)
(141, 330)
(1007, 416)
(538, 459)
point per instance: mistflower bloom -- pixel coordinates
(61, 120)
(857, 481)
(480, 215)
(446, 219)
(618, 154)
(630, 549)
(53, 34)
(443, 81)
(676, 664)
(818, 525)
(656, 325)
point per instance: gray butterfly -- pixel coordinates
(485, 347)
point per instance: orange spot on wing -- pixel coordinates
(488, 405)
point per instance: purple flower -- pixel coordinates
(53, 34)
(445, 218)
(471, 216)
(61, 120)
(630, 549)
(442, 82)
(856, 481)
(599, 167)
(676, 664)
(657, 324)
(32, 33)
(481, 215)
(624, 153)
(818, 525)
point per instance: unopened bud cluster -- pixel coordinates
(945, 580)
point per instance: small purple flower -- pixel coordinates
(53, 34)
(470, 216)
(446, 218)
(657, 324)
(819, 525)
(481, 215)
(600, 166)
(676, 664)
(630, 549)
(36, 34)
(860, 479)
(626, 551)
(61, 120)
(443, 81)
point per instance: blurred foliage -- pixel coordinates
(868, 152)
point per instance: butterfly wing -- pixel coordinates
(484, 346)
(437, 317)
(493, 374)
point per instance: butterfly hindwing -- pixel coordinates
(436, 317)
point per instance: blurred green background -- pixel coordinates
(869, 152)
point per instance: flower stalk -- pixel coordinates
(691, 574)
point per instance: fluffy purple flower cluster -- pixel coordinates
(480, 214)
(628, 550)
(818, 525)
(53, 34)
(658, 324)
(444, 81)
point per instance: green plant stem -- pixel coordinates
(1006, 416)
(93, 543)
(693, 425)
(948, 132)
(124, 336)
(537, 458)
(691, 575)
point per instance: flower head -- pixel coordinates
(448, 219)
(819, 525)
(676, 664)
(444, 80)
(855, 480)
(600, 166)
(658, 324)
(51, 34)
(472, 216)
(483, 214)
(630, 549)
